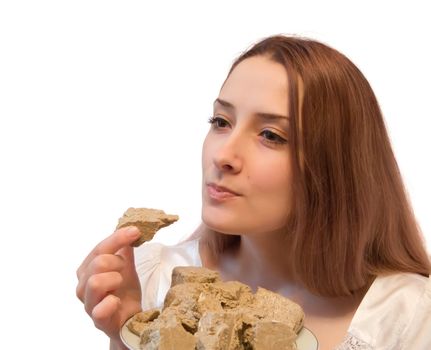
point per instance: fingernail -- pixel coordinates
(132, 231)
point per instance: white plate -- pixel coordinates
(128, 338)
(305, 341)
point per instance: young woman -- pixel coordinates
(302, 195)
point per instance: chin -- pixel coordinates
(221, 223)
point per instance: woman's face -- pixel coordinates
(246, 154)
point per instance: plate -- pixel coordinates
(306, 340)
(128, 338)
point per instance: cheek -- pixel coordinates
(206, 152)
(272, 176)
(272, 193)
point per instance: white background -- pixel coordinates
(104, 105)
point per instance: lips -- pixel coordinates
(220, 192)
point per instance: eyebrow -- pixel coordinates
(263, 115)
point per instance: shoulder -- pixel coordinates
(398, 288)
(418, 332)
(394, 312)
(154, 263)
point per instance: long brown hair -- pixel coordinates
(351, 218)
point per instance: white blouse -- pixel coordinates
(395, 313)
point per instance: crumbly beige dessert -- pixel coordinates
(148, 222)
(202, 312)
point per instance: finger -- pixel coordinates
(98, 286)
(106, 263)
(120, 238)
(103, 314)
(101, 263)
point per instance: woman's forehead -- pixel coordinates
(258, 83)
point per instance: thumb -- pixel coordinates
(129, 273)
(127, 253)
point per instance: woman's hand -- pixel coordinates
(108, 283)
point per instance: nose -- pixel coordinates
(228, 157)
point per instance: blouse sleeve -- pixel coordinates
(148, 263)
(154, 264)
(395, 314)
(418, 331)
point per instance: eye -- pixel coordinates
(272, 137)
(218, 122)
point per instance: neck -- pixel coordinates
(260, 260)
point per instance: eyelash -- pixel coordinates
(214, 121)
